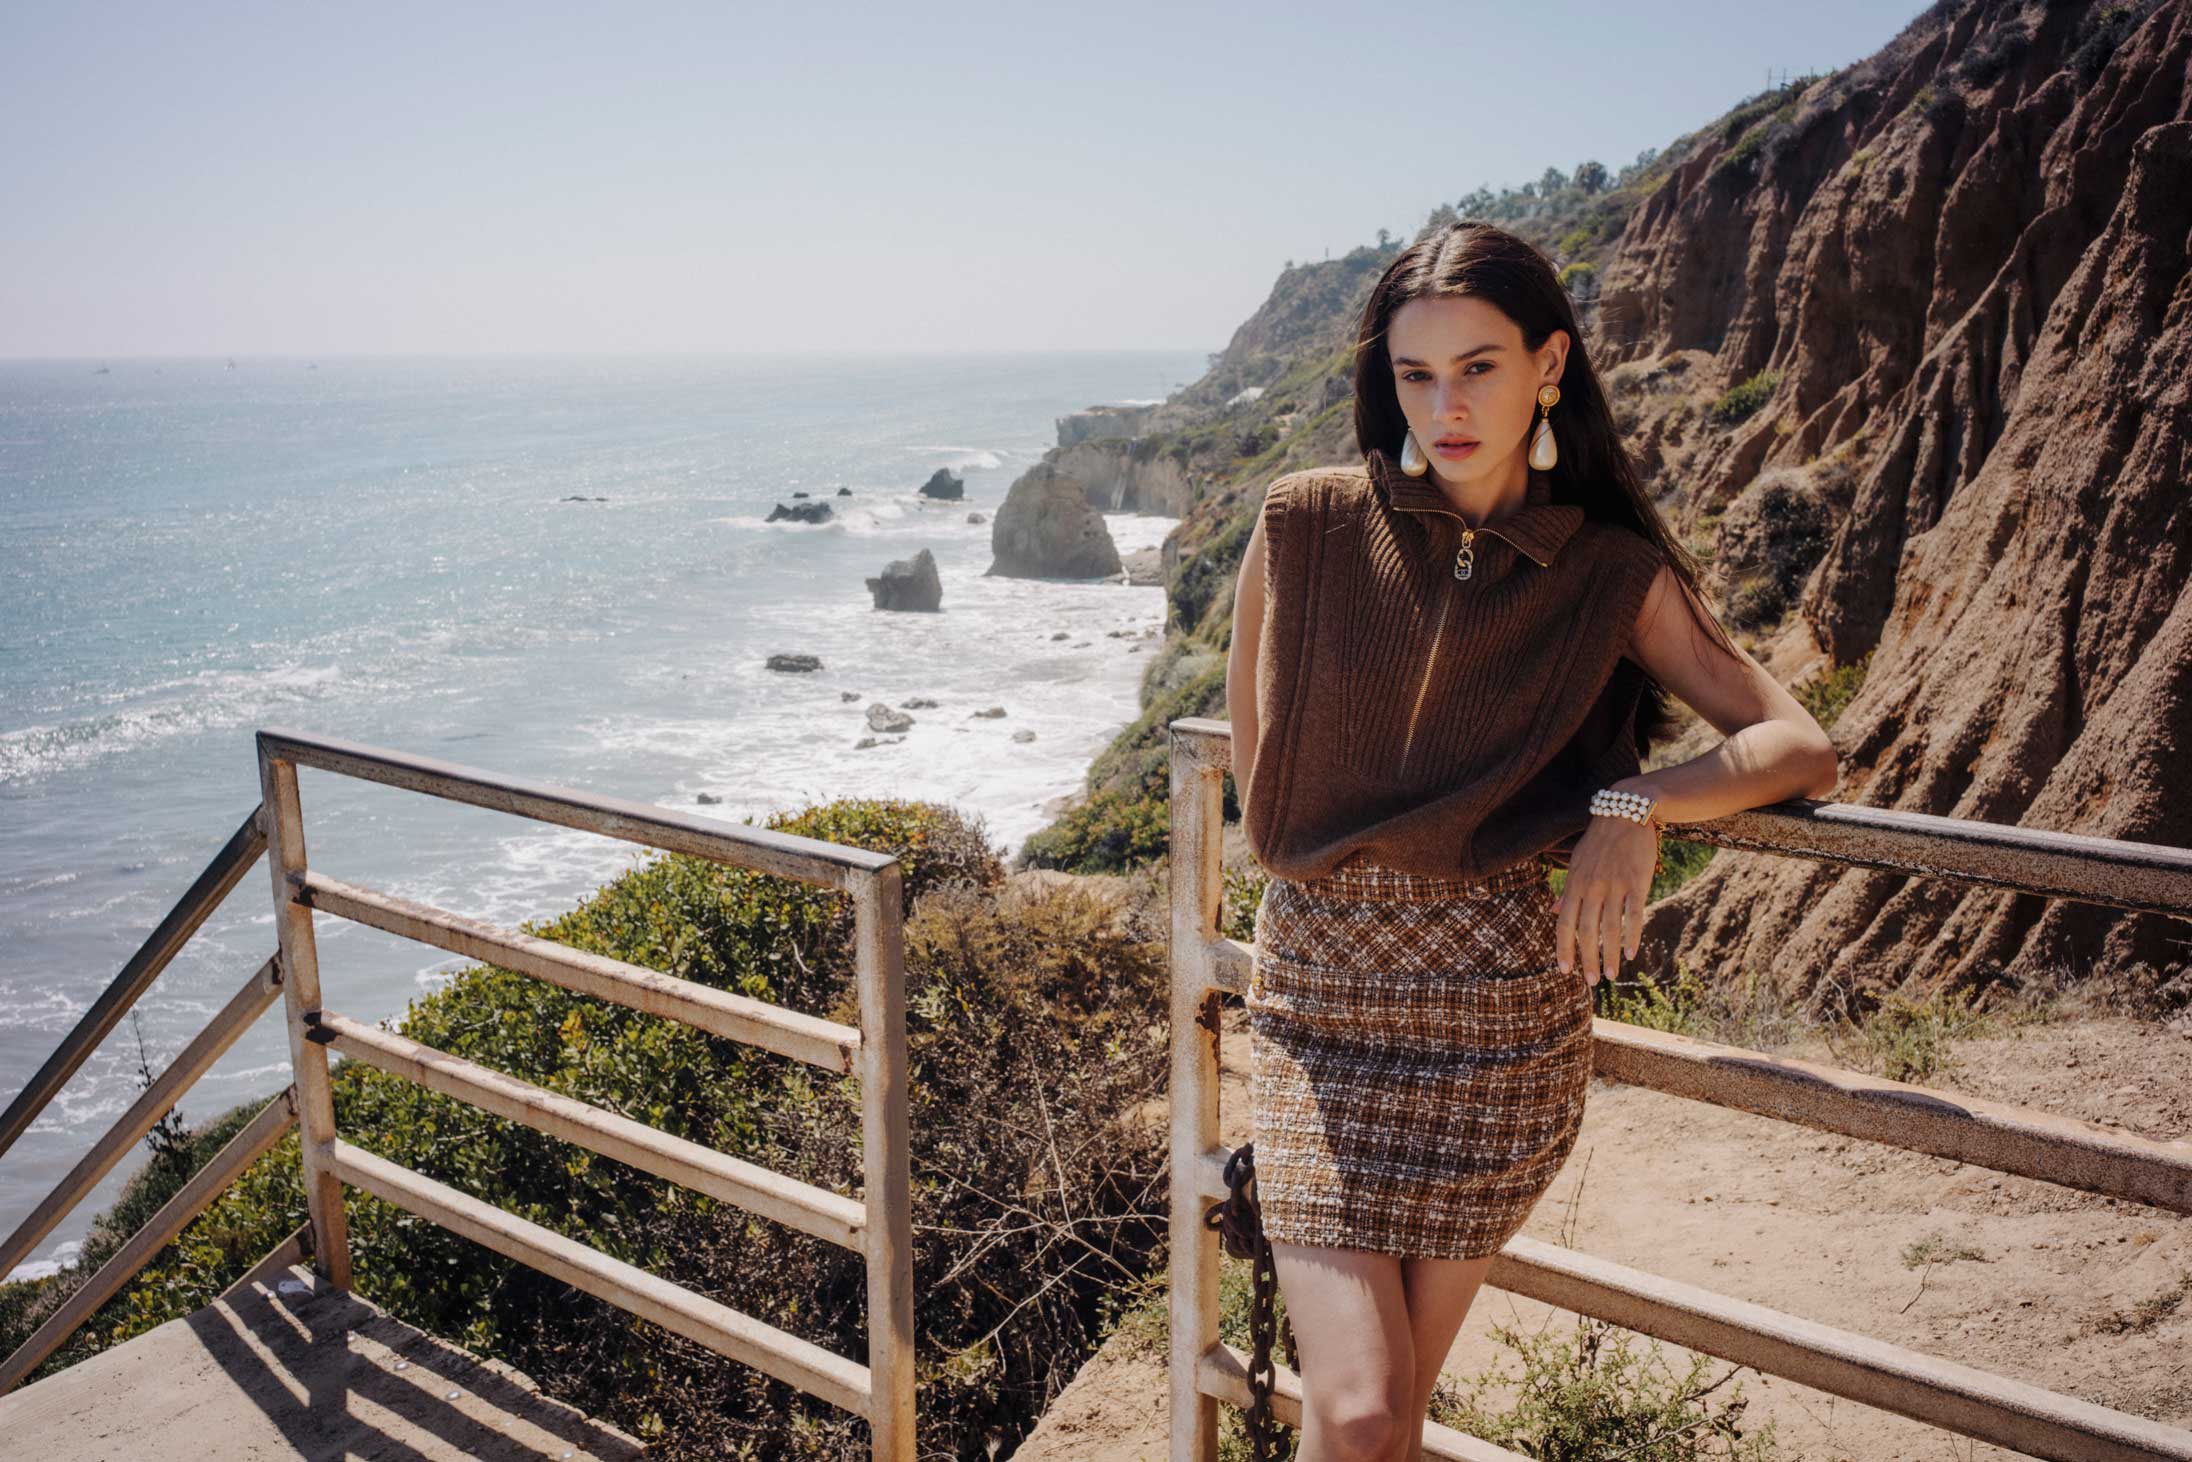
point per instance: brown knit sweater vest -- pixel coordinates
(1439, 725)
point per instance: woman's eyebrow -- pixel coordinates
(1409, 360)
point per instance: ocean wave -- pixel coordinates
(181, 706)
(63, 1256)
(960, 459)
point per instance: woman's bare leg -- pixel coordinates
(1439, 1292)
(1349, 1312)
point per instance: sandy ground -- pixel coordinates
(1816, 1225)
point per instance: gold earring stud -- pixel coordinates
(1544, 451)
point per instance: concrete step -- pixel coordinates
(286, 1366)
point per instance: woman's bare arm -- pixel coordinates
(1773, 750)
(1242, 664)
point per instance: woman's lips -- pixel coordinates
(1454, 451)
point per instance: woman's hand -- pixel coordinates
(1602, 901)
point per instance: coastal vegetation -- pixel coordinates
(1036, 1027)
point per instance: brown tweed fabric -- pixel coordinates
(1419, 1060)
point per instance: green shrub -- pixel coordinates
(1907, 1038)
(1108, 832)
(1640, 1000)
(1035, 1026)
(1744, 399)
(1827, 693)
(1243, 890)
(1587, 1394)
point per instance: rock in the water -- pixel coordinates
(1062, 634)
(848, 695)
(992, 713)
(943, 484)
(1145, 568)
(909, 583)
(802, 494)
(707, 799)
(1023, 735)
(977, 517)
(804, 513)
(1047, 530)
(882, 718)
(795, 662)
(918, 703)
(844, 492)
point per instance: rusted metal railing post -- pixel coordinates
(323, 1194)
(887, 1161)
(1196, 888)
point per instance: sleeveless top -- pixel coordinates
(1438, 725)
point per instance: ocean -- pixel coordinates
(382, 550)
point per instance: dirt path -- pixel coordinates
(2068, 1291)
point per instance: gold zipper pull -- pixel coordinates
(1465, 556)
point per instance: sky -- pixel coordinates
(449, 179)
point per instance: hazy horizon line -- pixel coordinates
(815, 352)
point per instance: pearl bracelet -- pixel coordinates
(1635, 806)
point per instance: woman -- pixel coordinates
(1445, 666)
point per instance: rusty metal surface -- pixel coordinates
(1996, 1135)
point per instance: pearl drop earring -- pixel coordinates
(1544, 451)
(1412, 460)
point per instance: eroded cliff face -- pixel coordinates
(1966, 258)
(1121, 476)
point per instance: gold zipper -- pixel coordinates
(1464, 564)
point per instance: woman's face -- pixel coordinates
(1461, 373)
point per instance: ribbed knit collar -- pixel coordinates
(1538, 528)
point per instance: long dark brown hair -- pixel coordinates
(1473, 258)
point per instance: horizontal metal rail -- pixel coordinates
(2150, 878)
(765, 850)
(240, 1152)
(1996, 1135)
(196, 905)
(1927, 1388)
(2134, 876)
(819, 1372)
(804, 1206)
(222, 1031)
(1222, 1372)
(824, 1043)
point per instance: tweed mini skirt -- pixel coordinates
(1419, 1060)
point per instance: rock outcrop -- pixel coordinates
(944, 485)
(1046, 529)
(1104, 423)
(1127, 475)
(1958, 274)
(909, 584)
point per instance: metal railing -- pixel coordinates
(1205, 1370)
(879, 1226)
